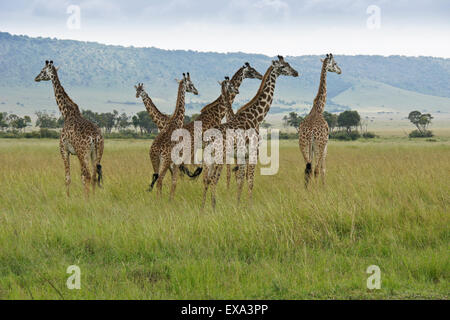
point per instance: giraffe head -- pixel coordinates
(189, 86)
(228, 87)
(139, 89)
(251, 73)
(330, 64)
(47, 72)
(281, 67)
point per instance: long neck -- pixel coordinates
(256, 110)
(321, 98)
(236, 81)
(220, 105)
(67, 107)
(227, 102)
(178, 115)
(158, 117)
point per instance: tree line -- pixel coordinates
(107, 121)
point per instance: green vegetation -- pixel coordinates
(384, 204)
(421, 121)
(107, 74)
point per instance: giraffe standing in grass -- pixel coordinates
(313, 130)
(248, 117)
(79, 136)
(212, 114)
(161, 149)
(159, 118)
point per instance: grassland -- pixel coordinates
(386, 203)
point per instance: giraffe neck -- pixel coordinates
(68, 108)
(227, 102)
(256, 110)
(321, 98)
(178, 115)
(217, 108)
(228, 98)
(158, 117)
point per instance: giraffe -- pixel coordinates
(247, 117)
(160, 151)
(313, 130)
(159, 118)
(79, 136)
(212, 114)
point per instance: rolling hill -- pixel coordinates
(101, 77)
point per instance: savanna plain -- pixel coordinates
(386, 202)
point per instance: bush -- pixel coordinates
(369, 135)
(419, 134)
(344, 135)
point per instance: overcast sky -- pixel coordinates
(405, 27)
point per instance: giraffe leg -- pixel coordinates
(250, 180)
(321, 149)
(162, 172)
(98, 158)
(94, 171)
(206, 183)
(240, 174)
(322, 163)
(305, 143)
(215, 179)
(174, 182)
(66, 158)
(85, 174)
(155, 159)
(228, 175)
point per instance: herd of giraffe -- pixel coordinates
(84, 139)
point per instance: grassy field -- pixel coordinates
(386, 203)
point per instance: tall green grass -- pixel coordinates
(385, 203)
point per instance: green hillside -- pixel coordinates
(101, 77)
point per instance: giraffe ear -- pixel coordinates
(220, 83)
(178, 81)
(322, 60)
(57, 68)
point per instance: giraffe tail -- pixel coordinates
(186, 171)
(99, 174)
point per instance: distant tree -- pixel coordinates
(348, 119)
(294, 119)
(19, 123)
(122, 121)
(195, 116)
(285, 121)
(146, 124)
(60, 122)
(331, 119)
(107, 121)
(420, 120)
(3, 121)
(135, 122)
(45, 120)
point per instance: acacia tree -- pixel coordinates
(294, 119)
(420, 120)
(45, 120)
(331, 119)
(348, 119)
